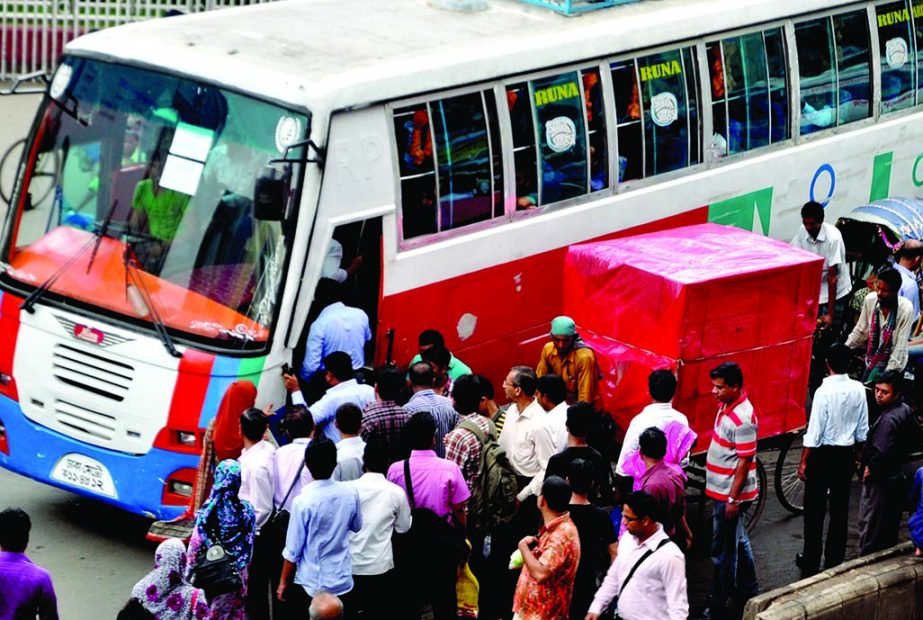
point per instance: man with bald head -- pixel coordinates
(325, 606)
(907, 260)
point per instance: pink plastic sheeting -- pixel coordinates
(688, 299)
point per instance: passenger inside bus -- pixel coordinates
(159, 211)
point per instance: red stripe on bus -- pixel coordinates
(193, 376)
(9, 331)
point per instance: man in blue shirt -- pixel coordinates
(343, 389)
(317, 543)
(907, 261)
(422, 380)
(25, 589)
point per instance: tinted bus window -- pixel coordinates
(917, 13)
(896, 48)
(559, 117)
(596, 129)
(657, 113)
(833, 64)
(520, 106)
(450, 163)
(749, 103)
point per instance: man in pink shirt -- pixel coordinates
(439, 486)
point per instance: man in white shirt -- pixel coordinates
(838, 425)
(526, 438)
(351, 447)
(385, 511)
(826, 241)
(257, 486)
(883, 327)
(661, 385)
(657, 589)
(343, 389)
(551, 394)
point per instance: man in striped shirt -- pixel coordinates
(730, 480)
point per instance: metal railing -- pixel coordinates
(33, 33)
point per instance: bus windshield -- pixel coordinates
(136, 200)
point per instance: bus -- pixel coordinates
(459, 153)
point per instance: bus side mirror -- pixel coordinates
(269, 195)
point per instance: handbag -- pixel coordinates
(277, 525)
(214, 572)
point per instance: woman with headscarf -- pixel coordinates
(229, 521)
(164, 592)
(222, 441)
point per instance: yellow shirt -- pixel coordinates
(578, 369)
(164, 210)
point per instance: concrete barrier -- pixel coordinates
(882, 586)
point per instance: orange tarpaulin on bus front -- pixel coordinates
(688, 299)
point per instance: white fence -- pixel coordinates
(33, 33)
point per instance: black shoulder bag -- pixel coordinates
(214, 571)
(277, 525)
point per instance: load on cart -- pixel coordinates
(687, 299)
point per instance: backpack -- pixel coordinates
(493, 500)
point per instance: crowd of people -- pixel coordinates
(383, 496)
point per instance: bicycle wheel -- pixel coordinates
(789, 487)
(9, 165)
(756, 509)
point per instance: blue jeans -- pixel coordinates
(735, 574)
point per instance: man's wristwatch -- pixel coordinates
(731, 500)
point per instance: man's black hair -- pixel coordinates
(892, 278)
(422, 375)
(466, 392)
(298, 422)
(557, 493)
(839, 356)
(430, 338)
(328, 292)
(653, 443)
(524, 378)
(320, 457)
(812, 210)
(14, 530)
(661, 385)
(580, 475)
(581, 419)
(643, 505)
(420, 431)
(437, 355)
(349, 418)
(487, 388)
(893, 378)
(376, 457)
(253, 424)
(553, 387)
(340, 365)
(731, 373)
(389, 381)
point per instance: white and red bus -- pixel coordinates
(460, 153)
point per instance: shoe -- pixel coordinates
(806, 571)
(799, 560)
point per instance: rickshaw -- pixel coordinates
(870, 233)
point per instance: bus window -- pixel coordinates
(778, 85)
(562, 150)
(517, 99)
(853, 61)
(465, 161)
(596, 129)
(628, 120)
(670, 113)
(833, 57)
(917, 12)
(896, 48)
(418, 178)
(747, 114)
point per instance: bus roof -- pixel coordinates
(331, 54)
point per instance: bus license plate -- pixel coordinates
(83, 472)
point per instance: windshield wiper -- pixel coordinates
(29, 303)
(131, 269)
(100, 233)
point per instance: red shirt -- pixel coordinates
(559, 550)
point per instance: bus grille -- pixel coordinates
(92, 373)
(93, 423)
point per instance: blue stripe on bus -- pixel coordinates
(224, 373)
